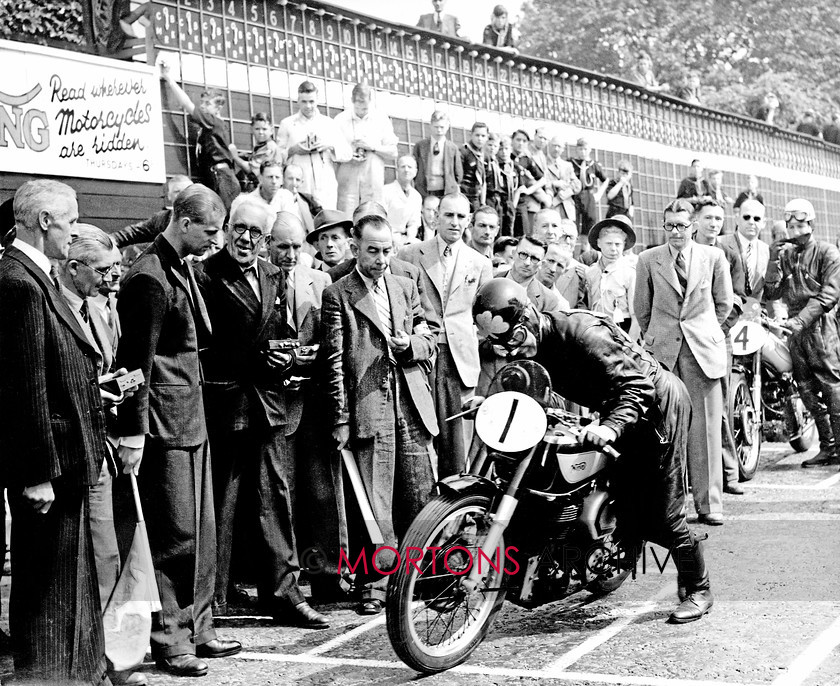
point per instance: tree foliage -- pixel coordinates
(42, 21)
(740, 50)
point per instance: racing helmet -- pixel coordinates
(499, 306)
(800, 209)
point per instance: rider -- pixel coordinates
(644, 410)
(805, 274)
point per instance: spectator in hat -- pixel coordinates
(330, 235)
(500, 33)
(611, 281)
(831, 132)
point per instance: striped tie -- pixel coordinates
(748, 269)
(682, 275)
(383, 309)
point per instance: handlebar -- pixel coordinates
(775, 326)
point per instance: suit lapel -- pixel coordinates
(696, 269)
(399, 316)
(304, 297)
(234, 280)
(268, 289)
(666, 269)
(361, 298)
(458, 271)
(430, 261)
(103, 334)
(198, 300)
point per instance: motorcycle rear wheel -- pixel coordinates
(746, 426)
(433, 623)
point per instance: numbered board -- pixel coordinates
(747, 337)
(510, 422)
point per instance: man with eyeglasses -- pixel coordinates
(683, 295)
(451, 275)
(805, 274)
(755, 253)
(253, 315)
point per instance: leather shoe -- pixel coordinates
(710, 519)
(733, 488)
(821, 459)
(304, 616)
(128, 678)
(218, 647)
(372, 606)
(182, 665)
(693, 607)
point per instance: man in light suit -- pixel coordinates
(438, 21)
(683, 295)
(165, 325)
(562, 183)
(452, 273)
(377, 349)
(439, 167)
(247, 413)
(755, 253)
(53, 445)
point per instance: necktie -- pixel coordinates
(84, 310)
(290, 305)
(445, 261)
(383, 309)
(282, 308)
(436, 149)
(438, 22)
(54, 278)
(682, 274)
(748, 269)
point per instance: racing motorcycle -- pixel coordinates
(532, 522)
(762, 391)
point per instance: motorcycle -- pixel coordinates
(762, 390)
(532, 522)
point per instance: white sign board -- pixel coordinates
(64, 113)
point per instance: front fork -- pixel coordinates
(500, 521)
(756, 387)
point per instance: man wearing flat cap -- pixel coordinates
(611, 280)
(331, 236)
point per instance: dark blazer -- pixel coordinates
(53, 419)
(240, 387)
(164, 324)
(143, 232)
(453, 171)
(474, 178)
(736, 271)
(449, 23)
(356, 354)
(688, 188)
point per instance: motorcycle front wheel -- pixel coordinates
(746, 426)
(434, 624)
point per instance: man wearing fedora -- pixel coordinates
(330, 236)
(611, 280)
(683, 295)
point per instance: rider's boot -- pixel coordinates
(694, 578)
(824, 423)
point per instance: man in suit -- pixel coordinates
(683, 295)
(165, 325)
(377, 349)
(302, 205)
(147, 230)
(708, 219)
(562, 183)
(451, 274)
(317, 501)
(755, 253)
(438, 21)
(330, 235)
(439, 167)
(53, 445)
(247, 414)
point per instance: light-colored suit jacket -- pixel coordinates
(561, 170)
(666, 315)
(356, 354)
(454, 313)
(733, 240)
(309, 285)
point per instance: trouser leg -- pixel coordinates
(105, 551)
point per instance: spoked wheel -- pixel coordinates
(434, 623)
(746, 426)
(801, 429)
(612, 562)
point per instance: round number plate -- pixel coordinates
(510, 422)
(747, 337)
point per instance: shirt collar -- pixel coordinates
(368, 281)
(686, 251)
(74, 299)
(442, 245)
(39, 258)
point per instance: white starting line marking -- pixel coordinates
(349, 636)
(541, 674)
(784, 517)
(811, 658)
(559, 665)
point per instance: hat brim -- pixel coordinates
(312, 236)
(595, 232)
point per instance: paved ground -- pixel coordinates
(776, 620)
